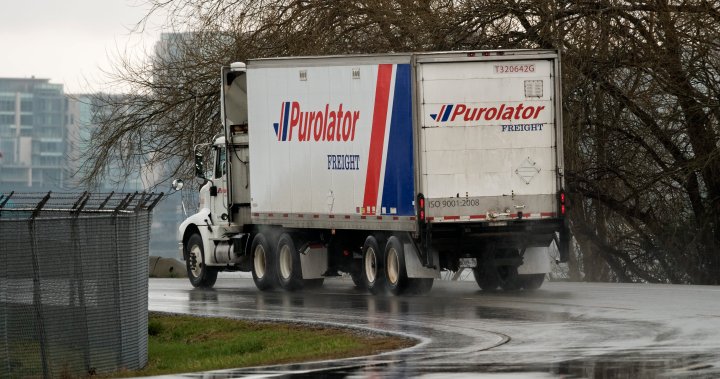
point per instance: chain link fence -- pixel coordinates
(73, 283)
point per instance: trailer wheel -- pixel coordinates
(531, 282)
(395, 271)
(200, 275)
(373, 275)
(357, 277)
(486, 278)
(263, 258)
(288, 268)
(509, 280)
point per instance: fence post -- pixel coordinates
(37, 290)
(116, 282)
(102, 205)
(79, 279)
(155, 202)
(4, 313)
(4, 201)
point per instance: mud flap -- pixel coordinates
(314, 262)
(564, 244)
(536, 260)
(415, 268)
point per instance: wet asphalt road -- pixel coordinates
(571, 330)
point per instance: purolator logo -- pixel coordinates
(450, 112)
(336, 124)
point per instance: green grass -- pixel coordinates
(179, 344)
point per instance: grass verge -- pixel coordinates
(179, 344)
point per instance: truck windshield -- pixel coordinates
(235, 98)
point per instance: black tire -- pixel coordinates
(509, 280)
(200, 275)
(372, 270)
(531, 282)
(356, 276)
(420, 286)
(486, 278)
(395, 271)
(289, 270)
(263, 263)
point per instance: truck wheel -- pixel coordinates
(373, 274)
(509, 280)
(200, 275)
(395, 271)
(486, 278)
(357, 278)
(263, 258)
(288, 264)
(531, 282)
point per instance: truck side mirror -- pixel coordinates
(177, 184)
(199, 164)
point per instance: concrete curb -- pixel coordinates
(160, 267)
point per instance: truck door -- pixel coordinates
(218, 203)
(240, 179)
(488, 137)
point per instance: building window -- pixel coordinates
(7, 105)
(7, 119)
(26, 105)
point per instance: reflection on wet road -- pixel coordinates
(564, 329)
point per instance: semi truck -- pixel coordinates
(388, 168)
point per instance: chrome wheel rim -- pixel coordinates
(285, 262)
(195, 259)
(259, 262)
(370, 265)
(393, 266)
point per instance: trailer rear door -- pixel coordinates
(488, 136)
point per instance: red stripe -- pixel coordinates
(430, 218)
(347, 217)
(547, 214)
(377, 137)
(280, 126)
(452, 217)
(477, 217)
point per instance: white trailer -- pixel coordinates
(388, 167)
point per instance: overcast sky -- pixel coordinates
(68, 41)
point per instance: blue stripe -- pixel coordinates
(447, 112)
(285, 120)
(398, 188)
